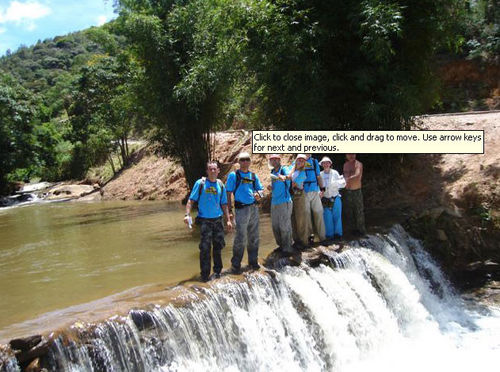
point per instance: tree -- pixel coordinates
(17, 139)
(186, 56)
(347, 65)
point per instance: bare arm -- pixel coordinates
(225, 209)
(229, 202)
(358, 172)
(189, 205)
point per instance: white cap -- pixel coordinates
(325, 158)
(274, 156)
(301, 156)
(244, 155)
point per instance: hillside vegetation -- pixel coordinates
(175, 72)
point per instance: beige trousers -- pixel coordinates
(314, 211)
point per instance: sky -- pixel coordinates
(27, 21)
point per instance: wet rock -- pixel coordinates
(24, 358)
(312, 257)
(457, 242)
(34, 366)
(25, 344)
(142, 319)
(69, 191)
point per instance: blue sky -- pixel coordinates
(27, 21)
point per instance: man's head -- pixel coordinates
(244, 160)
(350, 157)
(275, 160)
(213, 169)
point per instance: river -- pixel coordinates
(59, 255)
(381, 305)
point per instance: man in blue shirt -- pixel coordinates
(210, 194)
(281, 205)
(246, 188)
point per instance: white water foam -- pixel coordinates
(384, 306)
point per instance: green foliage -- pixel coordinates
(187, 50)
(480, 30)
(103, 112)
(17, 139)
(346, 65)
(181, 69)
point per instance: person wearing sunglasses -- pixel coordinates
(245, 187)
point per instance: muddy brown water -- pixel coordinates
(64, 261)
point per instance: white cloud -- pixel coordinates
(24, 12)
(101, 20)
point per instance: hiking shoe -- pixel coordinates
(255, 266)
(216, 275)
(204, 279)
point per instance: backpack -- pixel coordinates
(238, 180)
(314, 162)
(202, 186)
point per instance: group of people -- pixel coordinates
(305, 202)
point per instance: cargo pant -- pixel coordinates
(281, 221)
(212, 235)
(354, 210)
(247, 233)
(300, 227)
(314, 211)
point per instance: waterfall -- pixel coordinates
(383, 305)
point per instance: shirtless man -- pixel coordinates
(354, 214)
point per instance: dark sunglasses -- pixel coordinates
(245, 159)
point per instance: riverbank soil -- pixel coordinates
(456, 202)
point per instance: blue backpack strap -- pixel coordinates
(202, 186)
(222, 190)
(238, 181)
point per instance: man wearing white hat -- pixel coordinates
(332, 204)
(246, 188)
(281, 205)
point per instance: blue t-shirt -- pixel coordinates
(244, 193)
(281, 189)
(212, 196)
(312, 170)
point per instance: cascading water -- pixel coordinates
(383, 305)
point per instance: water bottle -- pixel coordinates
(190, 223)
